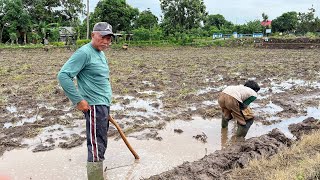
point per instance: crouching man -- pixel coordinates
(234, 102)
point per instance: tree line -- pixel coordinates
(31, 21)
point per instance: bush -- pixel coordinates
(82, 42)
(58, 44)
(311, 35)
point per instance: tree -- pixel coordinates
(146, 20)
(2, 23)
(216, 20)
(287, 22)
(17, 19)
(54, 11)
(306, 21)
(182, 15)
(265, 16)
(253, 26)
(117, 13)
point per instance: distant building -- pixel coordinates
(217, 35)
(266, 23)
(257, 35)
(66, 34)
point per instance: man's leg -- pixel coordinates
(226, 113)
(97, 125)
(226, 117)
(243, 129)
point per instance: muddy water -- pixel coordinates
(156, 156)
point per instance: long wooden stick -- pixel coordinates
(123, 137)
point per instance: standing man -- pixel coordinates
(234, 102)
(93, 93)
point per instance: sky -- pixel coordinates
(236, 11)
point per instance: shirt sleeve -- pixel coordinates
(249, 100)
(70, 70)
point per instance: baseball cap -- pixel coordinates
(103, 28)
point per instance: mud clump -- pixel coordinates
(76, 140)
(218, 164)
(42, 147)
(179, 131)
(201, 137)
(305, 127)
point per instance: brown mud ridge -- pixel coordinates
(219, 164)
(297, 43)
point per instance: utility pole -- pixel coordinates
(88, 14)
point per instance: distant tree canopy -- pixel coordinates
(146, 20)
(182, 15)
(30, 21)
(308, 22)
(54, 11)
(20, 17)
(117, 13)
(287, 22)
(217, 20)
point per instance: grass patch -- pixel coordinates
(301, 161)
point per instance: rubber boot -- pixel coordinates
(224, 122)
(95, 170)
(243, 129)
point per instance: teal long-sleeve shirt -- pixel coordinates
(91, 69)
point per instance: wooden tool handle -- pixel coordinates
(123, 137)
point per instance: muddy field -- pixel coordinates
(152, 87)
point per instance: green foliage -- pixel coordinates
(25, 16)
(54, 35)
(182, 15)
(82, 42)
(58, 44)
(311, 35)
(287, 22)
(61, 11)
(116, 12)
(216, 20)
(142, 34)
(146, 20)
(253, 26)
(35, 38)
(13, 37)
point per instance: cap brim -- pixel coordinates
(105, 33)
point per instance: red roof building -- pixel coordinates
(266, 23)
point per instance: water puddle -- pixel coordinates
(140, 107)
(12, 109)
(156, 156)
(289, 84)
(58, 133)
(269, 108)
(23, 121)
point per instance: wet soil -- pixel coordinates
(151, 87)
(220, 163)
(289, 43)
(307, 126)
